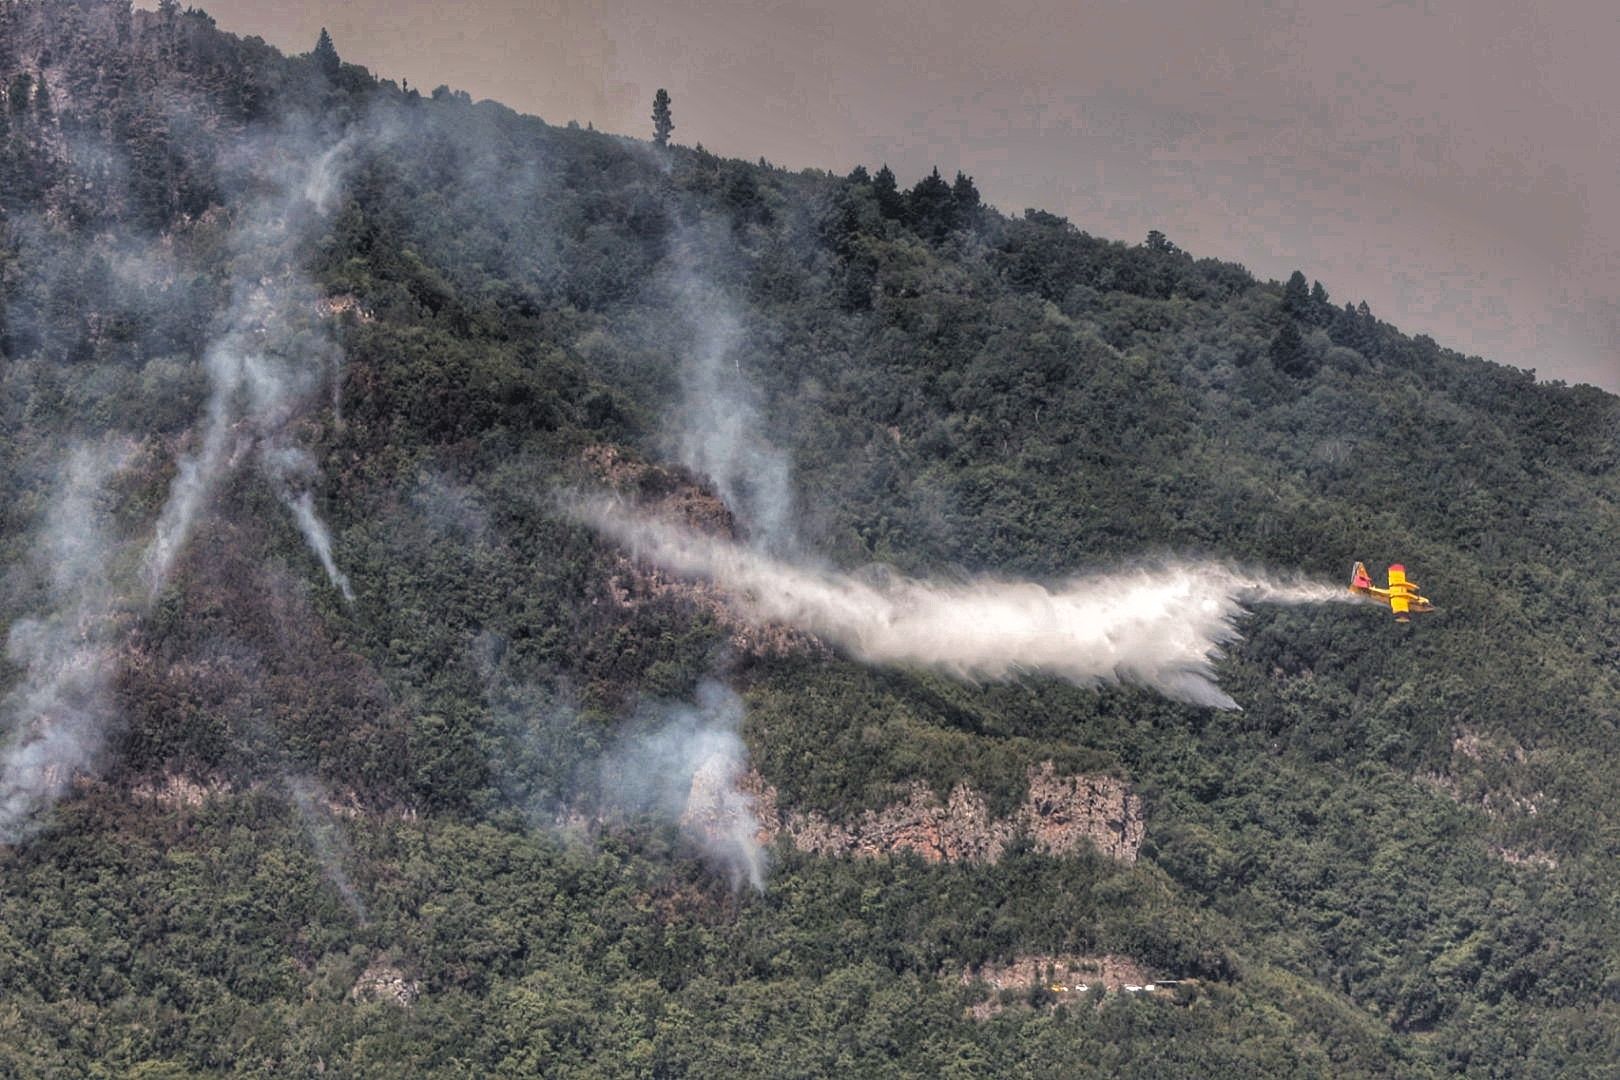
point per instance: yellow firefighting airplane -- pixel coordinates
(1401, 596)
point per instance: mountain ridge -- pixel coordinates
(468, 312)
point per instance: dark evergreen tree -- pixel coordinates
(740, 192)
(1296, 299)
(930, 207)
(663, 122)
(325, 54)
(1288, 352)
(859, 175)
(891, 204)
(22, 87)
(860, 276)
(969, 207)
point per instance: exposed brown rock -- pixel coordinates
(667, 491)
(1109, 971)
(717, 809)
(184, 791)
(386, 983)
(176, 791)
(1064, 977)
(1062, 814)
(1468, 743)
(332, 307)
(1541, 860)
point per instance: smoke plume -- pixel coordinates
(719, 431)
(1161, 628)
(266, 359)
(326, 840)
(269, 359)
(53, 721)
(686, 770)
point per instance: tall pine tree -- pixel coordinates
(663, 122)
(325, 54)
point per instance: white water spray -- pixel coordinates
(1161, 628)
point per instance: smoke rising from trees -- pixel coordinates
(270, 360)
(719, 430)
(685, 770)
(326, 839)
(54, 720)
(267, 359)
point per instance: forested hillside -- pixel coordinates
(337, 737)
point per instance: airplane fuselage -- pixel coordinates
(1401, 596)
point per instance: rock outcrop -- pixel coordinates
(386, 983)
(176, 791)
(1107, 971)
(719, 814)
(1062, 815)
(1494, 775)
(1488, 774)
(1062, 979)
(334, 307)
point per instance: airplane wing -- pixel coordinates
(1400, 593)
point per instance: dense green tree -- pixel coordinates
(891, 204)
(663, 120)
(969, 208)
(21, 92)
(1289, 353)
(325, 55)
(931, 207)
(1296, 298)
(1157, 241)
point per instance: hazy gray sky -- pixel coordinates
(1452, 163)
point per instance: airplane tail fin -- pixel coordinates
(1360, 580)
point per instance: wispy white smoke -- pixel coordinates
(1161, 628)
(719, 431)
(53, 722)
(320, 541)
(267, 360)
(267, 363)
(326, 839)
(195, 474)
(687, 771)
(289, 468)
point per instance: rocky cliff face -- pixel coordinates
(1061, 814)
